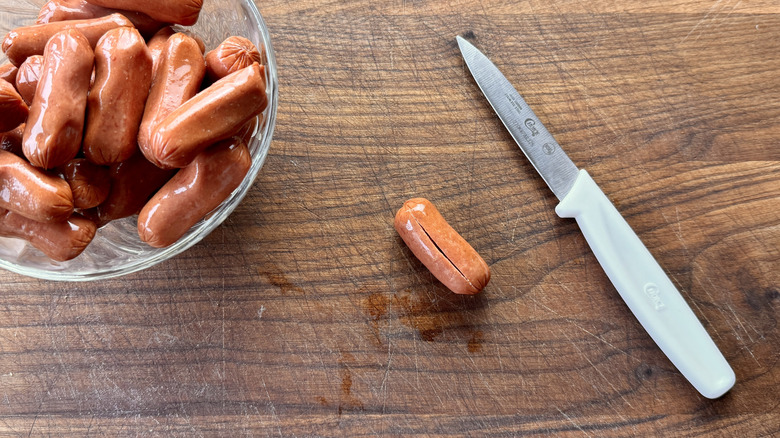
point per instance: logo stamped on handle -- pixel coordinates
(654, 293)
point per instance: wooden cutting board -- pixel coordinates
(305, 315)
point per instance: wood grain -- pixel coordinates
(304, 314)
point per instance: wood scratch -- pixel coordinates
(609, 382)
(574, 423)
(272, 407)
(713, 8)
(709, 12)
(536, 302)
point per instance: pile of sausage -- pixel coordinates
(108, 110)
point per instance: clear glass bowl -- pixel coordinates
(117, 249)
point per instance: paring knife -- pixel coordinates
(636, 275)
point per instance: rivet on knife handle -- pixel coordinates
(641, 282)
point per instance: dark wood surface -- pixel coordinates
(305, 315)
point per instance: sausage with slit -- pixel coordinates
(440, 248)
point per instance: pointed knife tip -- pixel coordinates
(462, 43)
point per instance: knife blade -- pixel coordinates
(639, 279)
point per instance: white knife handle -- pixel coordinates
(646, 289)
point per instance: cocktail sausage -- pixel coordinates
(26, 41)
(177, 79)
(61, 241)
(123, 74)
(67, 10)
(215, 114)
(133, 182)
(88, 182)
(230, 56)
(184, 12)
(13, 110)
(28, 76)
(440, 248)
(193, 192)
(31, 192)
(52, 136)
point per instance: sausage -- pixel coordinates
(13, 110)
(52, 136)
(201, 44)
(133, 182)
(123, 74)
(11, 141)
(158, 42)
(23, 42)
(178, 78)
(61, 241)
(156, 45)
(215, 114)
(89, 182)
(28, 76)
(193, 192)
(66, 10)
(31, 192)
(230, 56)
(184, 12)
(8, 72)
(440, 248)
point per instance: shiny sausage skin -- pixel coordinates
(156, 45)
(27, 41)
(133, 182)
(8, 72)
(67, 10)
(440, 248)
(193, 192)
(123, 74)
(178, 78)
(184, 12)
(31, 192)
(61, 241)
(28, 76)
(230, 56)
(159, 41)
(89, 182)
(13, 110)
(215, 114)
(11, 141)
(53, 133)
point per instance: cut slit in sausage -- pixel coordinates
(441, 251)
(440, 248)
